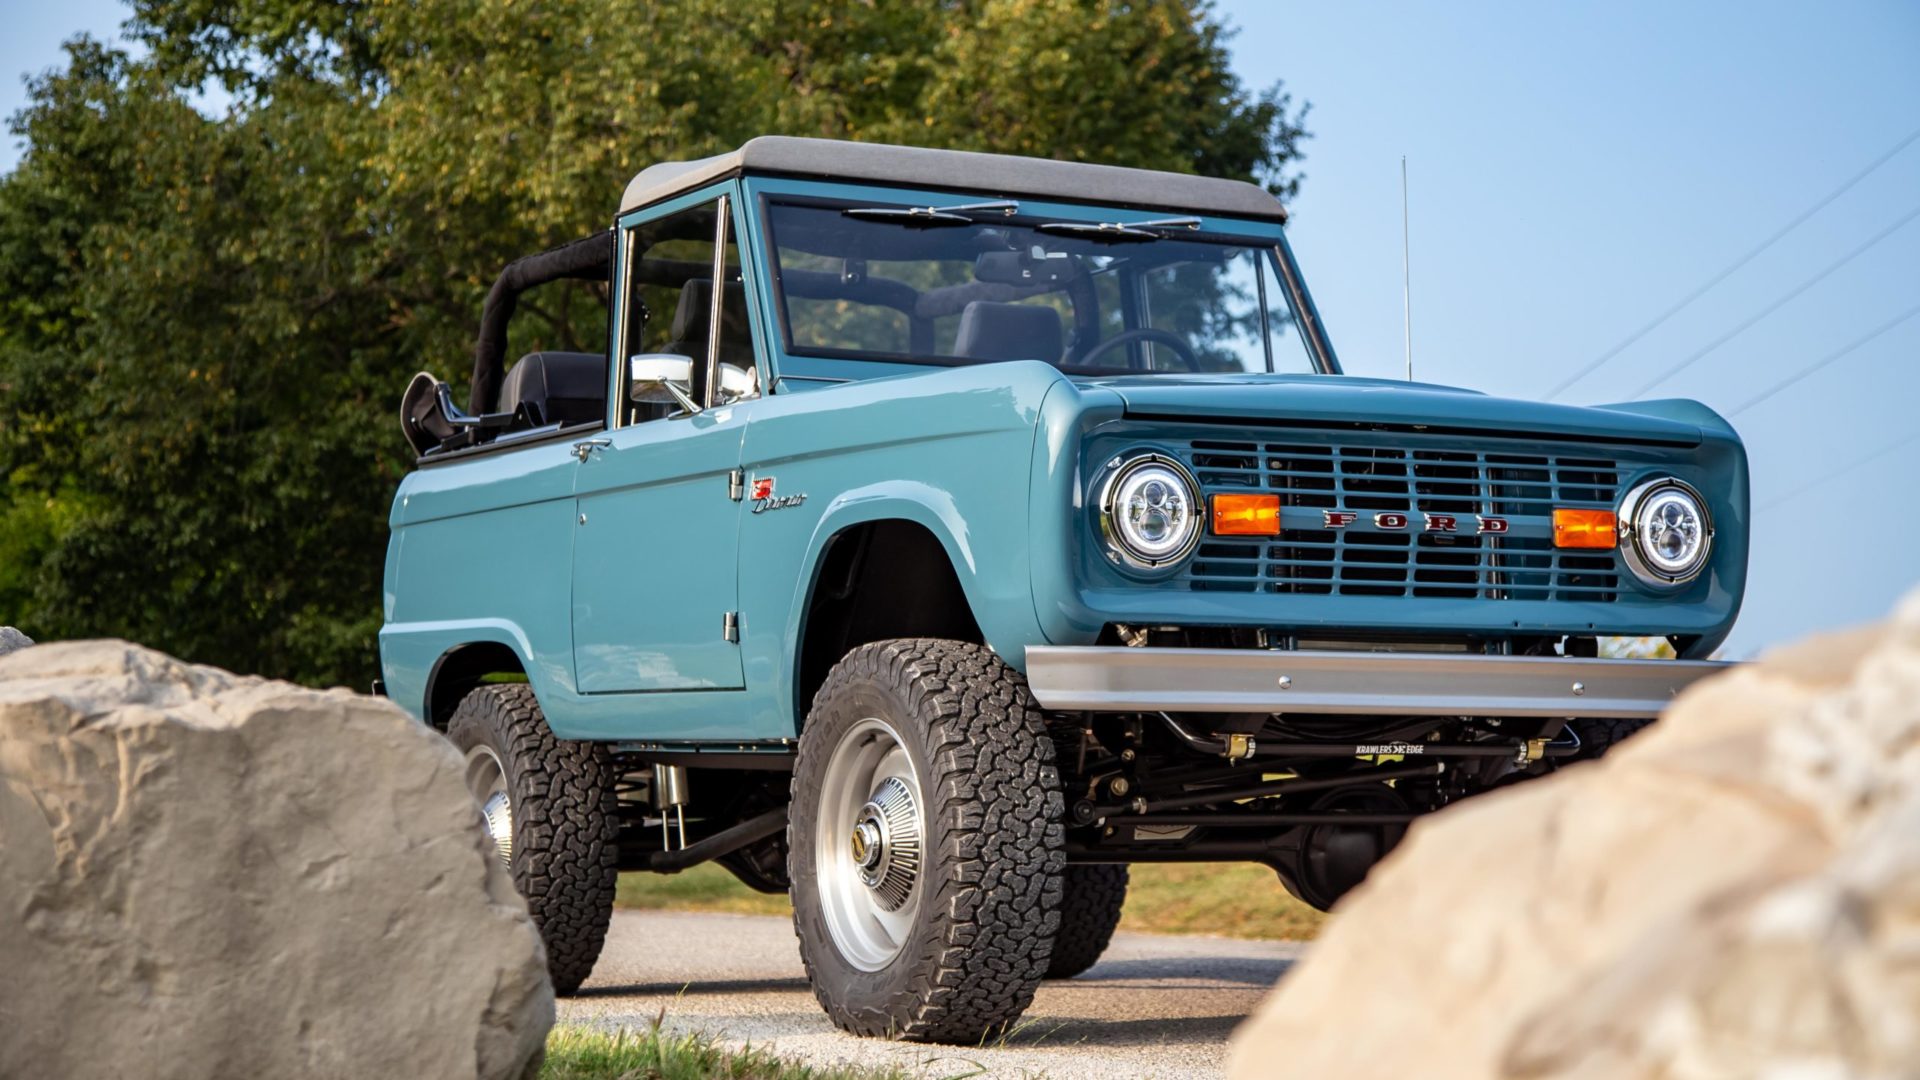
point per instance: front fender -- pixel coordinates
(998, 600)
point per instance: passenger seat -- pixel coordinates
(994, 331)
(557, 388)
(690, 324)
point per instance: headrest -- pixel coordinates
(561, 387)
(543, 376)
(992, 331)
(696, 301)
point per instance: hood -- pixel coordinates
(1344, 399)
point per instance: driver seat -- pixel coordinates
(996, 331)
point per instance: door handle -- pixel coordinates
(585, 447)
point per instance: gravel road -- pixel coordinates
(1155, 1006)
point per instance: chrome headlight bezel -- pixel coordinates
(1123, 549)
(1648, 567)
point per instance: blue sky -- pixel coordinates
(1577, 170)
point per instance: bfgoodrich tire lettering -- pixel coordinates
(1090, 901)
(968, 964)
(565, 823)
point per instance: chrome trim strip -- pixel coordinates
(723, 213)
(618, 404)
(1120, 679)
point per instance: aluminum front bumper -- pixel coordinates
(1115, 679)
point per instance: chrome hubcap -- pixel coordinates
(869, 836)
(487, 780)
(868, 849)
(886, 843)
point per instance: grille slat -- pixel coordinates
(1364, 559)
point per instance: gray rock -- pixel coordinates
(1734, 893)
(209, 875)
(12, 640)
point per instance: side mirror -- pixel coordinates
(736, 383)
(660, 378)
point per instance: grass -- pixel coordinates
(1230, 899)
(576, 1052)
(706, 887)
(1233, 900)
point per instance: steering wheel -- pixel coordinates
(1145, 333)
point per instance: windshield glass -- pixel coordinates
(878, 285)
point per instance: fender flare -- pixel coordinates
(466, 635)
(934, 510)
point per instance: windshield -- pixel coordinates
(877, 283)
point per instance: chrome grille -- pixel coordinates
(1364, 559)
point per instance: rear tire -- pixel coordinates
(1090, 901)
(550, 807)
(1599, 736)
(926, 843)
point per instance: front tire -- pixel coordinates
(1090, 901)
(1599, 736)
(926, 843)
(552, 812)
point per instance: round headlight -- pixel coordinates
(1150, 511)
(1667, 530)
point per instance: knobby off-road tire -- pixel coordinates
(1599, 736)
(1090, 900)
(561, 818)
(943, 738)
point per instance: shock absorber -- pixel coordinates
(670, 798)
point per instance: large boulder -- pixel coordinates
(207, 875)
(12, 640)
(1735, 893)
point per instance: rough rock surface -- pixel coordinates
(1735, 893)
(12, 640)
(207, 875)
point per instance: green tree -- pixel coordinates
(206, 316)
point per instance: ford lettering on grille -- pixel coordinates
(1365, 519)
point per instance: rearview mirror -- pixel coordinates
(661, 379)
(1034, 266)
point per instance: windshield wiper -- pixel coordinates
(1116, 232)
(932, 216)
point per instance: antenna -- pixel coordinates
(1406, 267)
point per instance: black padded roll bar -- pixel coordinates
(586, 259)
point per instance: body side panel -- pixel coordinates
(481, 551)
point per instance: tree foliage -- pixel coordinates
(207, 313)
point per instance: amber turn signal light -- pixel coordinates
(1246, 515)
(1584, 529)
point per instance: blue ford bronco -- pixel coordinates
(942, 532)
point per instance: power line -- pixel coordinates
(1825, 360)
(1723, 275)
(1776, 305)
(1829, 474)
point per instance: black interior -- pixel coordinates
(990, 331)
(543, 391)
(556, 388)
(691, 320)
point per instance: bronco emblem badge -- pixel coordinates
(764, 499)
